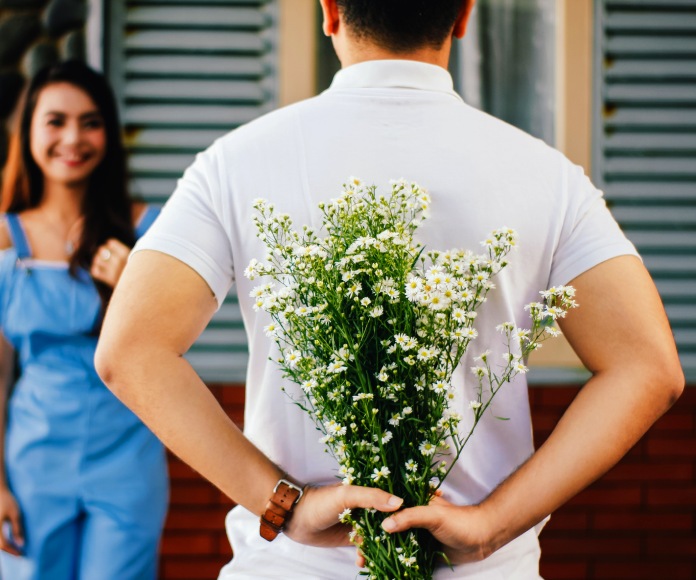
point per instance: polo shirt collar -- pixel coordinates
(404, 74)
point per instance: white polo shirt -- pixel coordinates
(383, 120)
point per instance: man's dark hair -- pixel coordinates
(401, 25)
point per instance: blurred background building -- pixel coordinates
(611, 83)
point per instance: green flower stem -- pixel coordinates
(372, 329)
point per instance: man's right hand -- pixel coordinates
(10, 514)
(315, 519)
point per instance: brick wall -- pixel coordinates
(638, 522)
(195, 546)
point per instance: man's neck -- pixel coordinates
(357, 52)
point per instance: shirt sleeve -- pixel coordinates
(590, 234)
(189, 227)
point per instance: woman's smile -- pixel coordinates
(68, 138)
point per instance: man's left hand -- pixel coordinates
(463, 531)
(315, 519)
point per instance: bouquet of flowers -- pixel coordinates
(372, 327)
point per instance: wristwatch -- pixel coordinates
(279, 508)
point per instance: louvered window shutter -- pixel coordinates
(644, 146)
(185, 73)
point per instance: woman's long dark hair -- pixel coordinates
(107, 207)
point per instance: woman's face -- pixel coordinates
(67, 137)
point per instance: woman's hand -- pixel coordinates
(10, 514)
(315, 519)
(463, 531)
(109, 261)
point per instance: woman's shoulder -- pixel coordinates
(143, 217)
(5, 237)
(138, 209)
(8, 254)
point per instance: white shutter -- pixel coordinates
(644, 147)
(185, 73)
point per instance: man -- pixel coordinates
(391, 112)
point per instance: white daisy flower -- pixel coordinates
(427, 448)
(336, 367)
(382, 473)
(376, 312)
(292, 358)
(354, 289)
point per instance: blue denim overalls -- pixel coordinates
(89, 477)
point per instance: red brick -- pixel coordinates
(643, 570)
(202, 493)
(636, 452)
(672, 447)
(179, 470)
(648, 501)
(563, 570)
(647, 471)
(190, 569)
(237, 416)
(615, 496)
(681, 422)
(545, 419)
(576, 545)
(224, 546)
(197, 519)
(687, 399)
(681, 497)
(540, 438)
(565, 520)
(642, 523)
(682, 546)
(233, 396)
(223, 386)
(557, 396)
(189, 544)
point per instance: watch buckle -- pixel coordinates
(291, 485)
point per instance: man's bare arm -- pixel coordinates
(621, 333)
(159, 308)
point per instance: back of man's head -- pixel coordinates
(401, 26)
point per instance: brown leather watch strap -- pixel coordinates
(278, 510)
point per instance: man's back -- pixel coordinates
(382, 121)
(385, 120)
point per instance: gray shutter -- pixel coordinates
(185, 73)
(644, 148)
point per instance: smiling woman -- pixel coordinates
(68, 139)
(65, 174)
(83, 491)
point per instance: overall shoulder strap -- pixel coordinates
(19, 237)
(146, 219)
